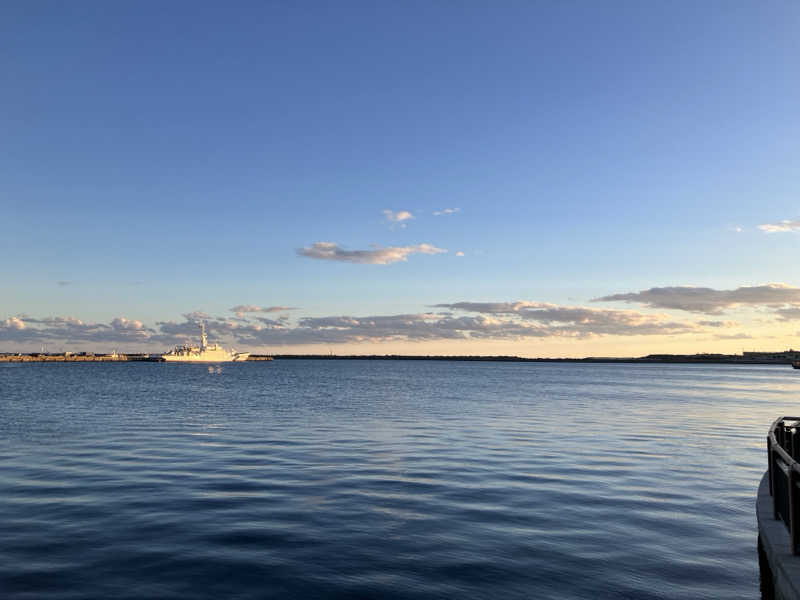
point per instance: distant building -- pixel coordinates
(786, 356)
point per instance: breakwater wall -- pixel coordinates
(778, 513)
(31, 358)
(17, 358)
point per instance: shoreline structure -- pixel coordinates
(778, 513)
(746, 358)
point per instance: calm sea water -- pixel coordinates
(383, 479)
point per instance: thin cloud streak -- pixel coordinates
(710, 301)
(196, 315)
(497, 308)
(376, 256)
(446, 211)
(780, 226)
(790, 313)
(579, 321)
(242, 309)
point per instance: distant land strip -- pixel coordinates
(651, 358)
(747, 358)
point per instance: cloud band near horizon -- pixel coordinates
(465, 320)
(493, 321)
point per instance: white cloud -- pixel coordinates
(376, 256)
(14, 323)
(785, 225)
(708, 300)
(398, 217)
(123, 324)
(459, 253)
(446, 211)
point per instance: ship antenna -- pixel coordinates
(203, 338)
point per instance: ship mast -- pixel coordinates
(203, 338)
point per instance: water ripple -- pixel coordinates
(359, 479)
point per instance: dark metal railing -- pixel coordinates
(783, 454)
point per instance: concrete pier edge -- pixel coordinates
(774, 540)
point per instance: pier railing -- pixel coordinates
(783, 454)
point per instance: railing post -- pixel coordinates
(769, 467)
(792, 442)
(773, 460)
(794, 526)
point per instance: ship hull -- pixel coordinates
(194, 359)
(203, 358)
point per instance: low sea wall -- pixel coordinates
(778, 512)
(71, 358)
(780, 569)
(28, 358)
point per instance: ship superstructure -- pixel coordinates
(204, 353)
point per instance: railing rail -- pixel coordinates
(783, 454)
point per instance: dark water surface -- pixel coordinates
(383, 479)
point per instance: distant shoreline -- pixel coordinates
(683, 359)
(781, 358)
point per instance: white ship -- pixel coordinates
(204, 353)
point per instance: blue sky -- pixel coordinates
(163, 159)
